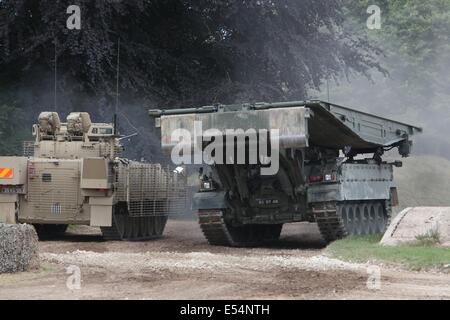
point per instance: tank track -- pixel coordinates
(214, 228)
(337, 220)
(217, 232)
(330, 224)
(111, 233)
(125, 227)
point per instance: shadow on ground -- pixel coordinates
(179, 236)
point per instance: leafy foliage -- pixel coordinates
(415, 38)
(173, 53)
(12, 132)
(188, 51)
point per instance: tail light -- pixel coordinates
(314, 179)
(329, 177)
(31, 170)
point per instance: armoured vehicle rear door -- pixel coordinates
(53, 190)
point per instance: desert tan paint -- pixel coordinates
(50, 191)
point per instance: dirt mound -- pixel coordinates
(420, 225)
(18, 248)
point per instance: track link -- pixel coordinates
(214, 228)
(219, 233)
(330, 223)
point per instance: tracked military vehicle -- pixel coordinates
(72, 173)
(330, 168)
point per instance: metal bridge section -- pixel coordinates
(301, 124)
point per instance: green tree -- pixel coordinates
(173, 53)
(414, 38)
(12, 131)
(188, 51)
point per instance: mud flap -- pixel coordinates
(394, 197)
(101, 211)
(8, 208)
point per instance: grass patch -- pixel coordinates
(17, 277)
(367, 248)
(72, 228)
(430, 238)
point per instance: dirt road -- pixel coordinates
(182, 266)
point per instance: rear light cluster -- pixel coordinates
(206, 185)
(32, 171)
(313, 179)
(329, 177)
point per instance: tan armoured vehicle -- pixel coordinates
(72, 174)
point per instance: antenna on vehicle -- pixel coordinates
(116, 111)
(117, 86)
(55, 78)
(328, 89)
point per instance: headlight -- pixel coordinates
(206, 185)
